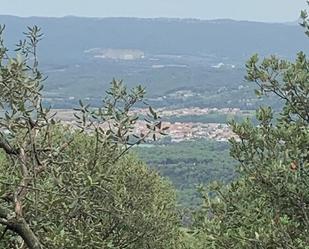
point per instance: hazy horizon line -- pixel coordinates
(153, 18)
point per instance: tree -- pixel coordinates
(74, 186)
(268, 206)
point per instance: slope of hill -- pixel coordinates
(67, 38)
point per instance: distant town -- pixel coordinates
(178, 131)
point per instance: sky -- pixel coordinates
(252, 10)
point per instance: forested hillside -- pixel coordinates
(188, 165)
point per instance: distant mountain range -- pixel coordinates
(67, 38)
(181, 62)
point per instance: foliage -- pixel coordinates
(73, 186)
(268, 206)
(121, 205)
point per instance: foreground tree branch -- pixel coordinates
(19, 226)
(54, 178)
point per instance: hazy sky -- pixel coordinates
(257, 10)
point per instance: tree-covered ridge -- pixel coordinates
(158, 36)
